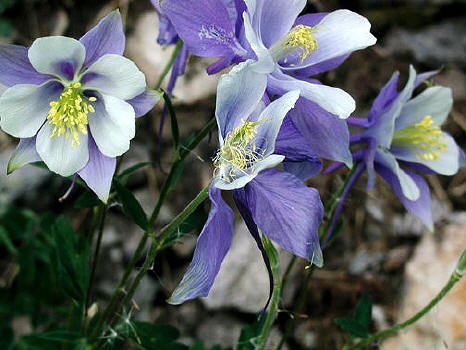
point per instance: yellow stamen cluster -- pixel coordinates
(424, 137)
(69, 113)
(239, 151)
(302, 39)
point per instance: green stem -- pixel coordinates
(299, 306)
(158, 243)
(164, 192)
(454, 278)
(270, 316)
(276, 294)
(102, 213)
(169, 64)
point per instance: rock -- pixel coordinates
(433, 45)
(428, 271)
(22, 181)
(243, 281)
(364, 260)
(220, 330)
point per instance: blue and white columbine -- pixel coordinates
(274, 201)
(73, 103)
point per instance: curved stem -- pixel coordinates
(169, 64)
(101, 213)
(163, 240)
(454, 278)
(340, 198)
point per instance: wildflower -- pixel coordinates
(271, 33)
(73, 103)
(402, 134)
(274, 201)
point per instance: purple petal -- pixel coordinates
(107, 37)
(167, 32)
(24, 154)
(287, 212)
(276, 19)
(327, 135)
(204, 26)
(15, 67)
(420, 78)
(385, 97)
(98, 173)
(420, 207)
(211, 247)
(300, 158)
(243, 207)
(144, 102)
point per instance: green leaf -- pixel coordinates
(352, 326)
(193, 221)
(363, 312)
(87, 200)
(6, 241)
(151, 336)
(198, 345)
(52, 340)
(178, 170)
(131, 206)
(174, 122)
(7, 338)
(272, 254)
(249, 334)
(132, 169)
(72, 253)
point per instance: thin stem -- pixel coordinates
(287, 273)
(454, 278)
(299, 306)
(120, 288)
(271, 315)
(158, 243)
(169, 64)
(165, 190)
(350, 180)
(95, 259)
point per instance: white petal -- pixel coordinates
(273, 116)
(265, 63)
(50, 55)
(435, 101)
(333, 100)
(58, 154)
(24, 108)
(238, 94)
(266, 163)
(112, 125)
(117, 76)
(24, 154)
(408, 185)
(447, 162)
(339, 33)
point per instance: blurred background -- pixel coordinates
(381, 250)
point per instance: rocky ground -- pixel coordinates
(381, 251)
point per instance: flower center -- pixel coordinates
(239, 152)
(425, 138)
(300, 40)
(69, 113)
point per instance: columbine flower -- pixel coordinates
(272, 33)
(403, 134)
(283, 208)
(73, 103)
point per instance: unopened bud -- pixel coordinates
(461, 267)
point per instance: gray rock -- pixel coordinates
(435, 45)
(243, 281)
